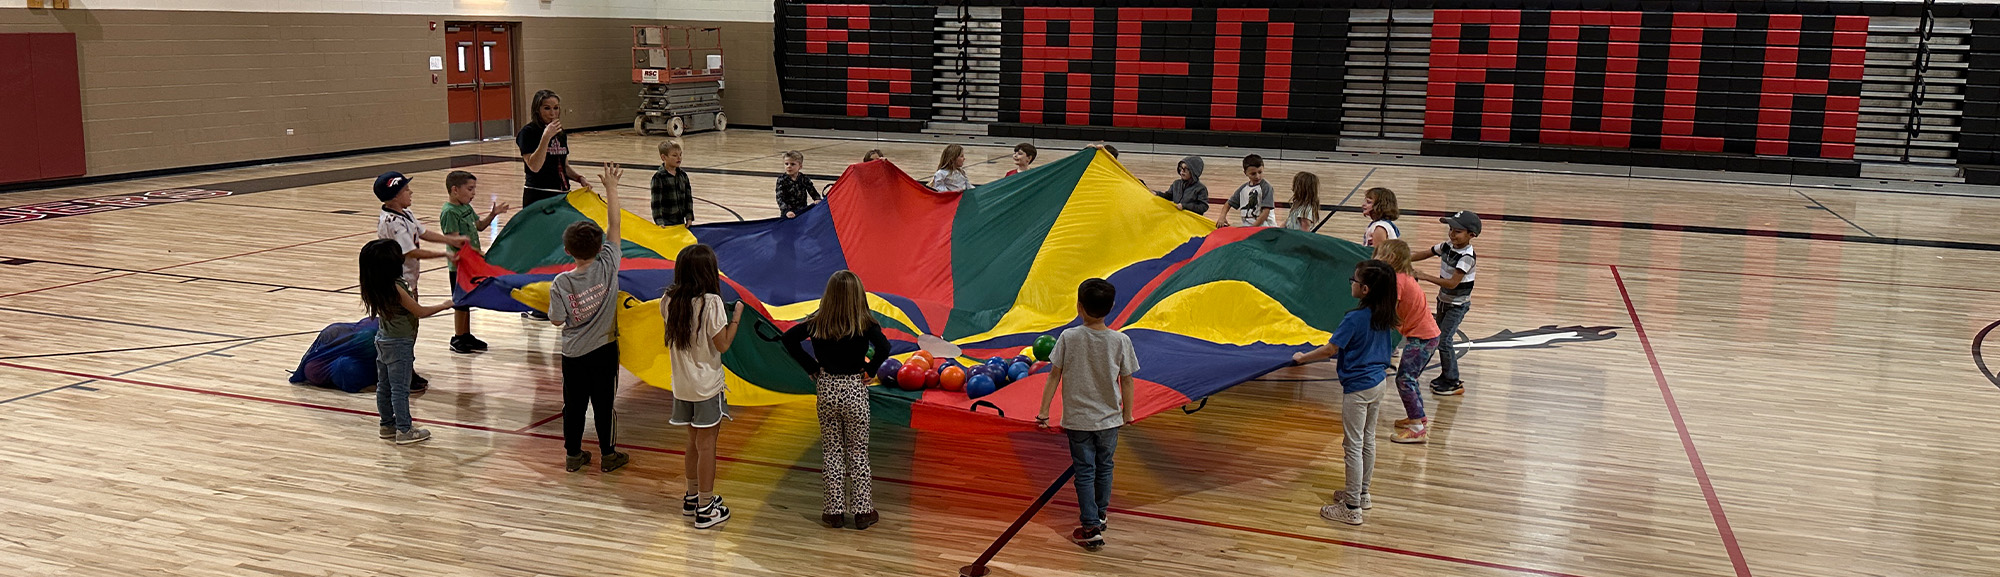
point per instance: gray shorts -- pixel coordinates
(700, 414)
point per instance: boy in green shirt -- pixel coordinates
(459, 218)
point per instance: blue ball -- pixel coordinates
(1017, 372)
(979, 386)
(350, 374)
(1002, 361)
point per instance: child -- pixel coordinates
(1456, 269)
(1254, 198)
(848, 346)
(1420, 339)
(950, 175)
(696, 337)
(397, 224)
(1362, 343)
(1379, 205)
(795, 188)
(392, 303)
(1305, 202)
(1024, 155)
(673, 193)
(1093, 364)
(874, 154)
(1187, 191)
(459, 219)
(584, 302)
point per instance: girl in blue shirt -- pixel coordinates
(1362, 344)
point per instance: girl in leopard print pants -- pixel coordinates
(847, 347)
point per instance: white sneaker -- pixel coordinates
(1345, 498)
(1341, 513)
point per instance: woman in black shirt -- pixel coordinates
(848, 346)
(545, 151)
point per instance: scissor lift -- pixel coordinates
(679, 73)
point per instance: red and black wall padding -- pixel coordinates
(1979, 128)
(855, 66)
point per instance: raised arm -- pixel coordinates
(612, 216)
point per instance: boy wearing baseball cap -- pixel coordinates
(397, 224)
(1456, 270)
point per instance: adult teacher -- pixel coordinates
(545, 152)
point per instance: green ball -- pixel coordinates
(1044, 344)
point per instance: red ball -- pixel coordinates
(911, 378)
(931, 379)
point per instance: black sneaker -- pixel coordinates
(576, 461)
(535, 316)
(1445, 388)
(418, 383)
(461, 346)
(614, 460)
(1089, 537)
(714, 514)
(475, 343)
(688, 504)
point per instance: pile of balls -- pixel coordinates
(976, 379)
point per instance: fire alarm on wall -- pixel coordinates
(434, 25)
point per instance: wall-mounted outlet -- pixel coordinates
(289, 132)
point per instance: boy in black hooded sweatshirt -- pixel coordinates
(1188, 191)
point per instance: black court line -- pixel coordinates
(80, 384)
(1343, 201)
(1691, 228)
(186, 277)
(1829, 210)
(123, 323)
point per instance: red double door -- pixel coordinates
(479, 77)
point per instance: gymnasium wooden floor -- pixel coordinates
(1787, 393)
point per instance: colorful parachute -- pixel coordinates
(988, 270)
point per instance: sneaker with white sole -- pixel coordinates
(1345, 498)
(1341, 513)
(1090, 538)
(387, 432)
(413, 436)
(1411, 431)
(714, 514)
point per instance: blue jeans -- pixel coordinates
(1090, 454)
(393, 361)
(1448, 316)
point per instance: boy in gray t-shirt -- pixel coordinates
(584, 302)
(1093, 365)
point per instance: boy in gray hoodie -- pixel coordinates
(1188, 191)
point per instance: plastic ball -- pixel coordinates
(911, 378)
(1022, 359)
(929, 359)
(1043, 345)
(887, 374)
(1039, 367)
(979, 386)
(1017, 372)
(931, 377)
(952, 379)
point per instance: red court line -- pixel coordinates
(795, 467)
(538, 424)
(1687, 441)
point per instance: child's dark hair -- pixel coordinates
(381, 266)
(1380, 301)
(1111, 149)
(873, 154)
(1385, 204)
(583, 240)
(695, 277)
(1253, 161)
(1096, 295)
(458, 178)
(1025, 148)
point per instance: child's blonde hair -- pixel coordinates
(669, 146)
(1396, 253)
(843, 309)
(1305, 194)
(872, 155)
(795, 156)
(1385, 204)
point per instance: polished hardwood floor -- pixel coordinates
(1768, 406)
